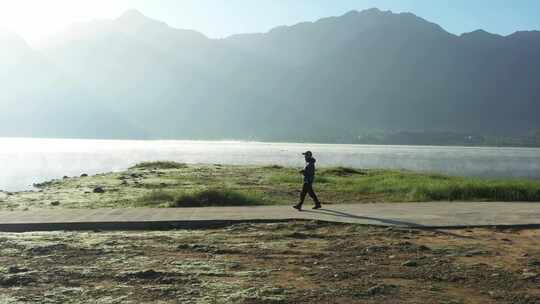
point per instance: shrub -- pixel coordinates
(215, 197)
(159, 165)
(157, 197)
(273, 167)
(343, 171)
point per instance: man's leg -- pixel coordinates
(313, 196)
(303, 193)
(305, 190)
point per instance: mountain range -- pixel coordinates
(332, 80)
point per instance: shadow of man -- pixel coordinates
(392, 222)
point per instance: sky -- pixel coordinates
(35, 20)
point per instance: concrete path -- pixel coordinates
(420, 215)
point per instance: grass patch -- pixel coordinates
(200, 198)
(157, 197)
(343, 171)
(209, 185)
(273, 167)
(283, 177)
(216, 197)
(296, 178)
(411, 186)
(159, 165)
(339, 185)
(479, 190)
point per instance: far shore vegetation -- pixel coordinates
(170, 184)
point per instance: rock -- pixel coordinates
(297, 235)
(530, 275)
(16, 269)
(146, 274)
(476, 252)
(15, 280)
(424, 248)
(410, 247)
(149, 275)
(374, 290)
(208, 249)
(376, 248)
(493, 294)
(84, 175)
(47, 249)
(535, 263)
(99, 190)
(55, 203)
(183, 247)
(382, 290)
(410, 264)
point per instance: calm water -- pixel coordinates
(26, 161)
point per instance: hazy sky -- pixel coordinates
(36, 19)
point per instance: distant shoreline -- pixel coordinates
(240, 141)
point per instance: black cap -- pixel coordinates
(308, 154)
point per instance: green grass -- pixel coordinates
(169, 184)
(273, 167)
(287, 177)
(412, 186)
(159, 165)
(343, 171)
(216, 197)
(201, 198)
(349, 184)
(157, 197)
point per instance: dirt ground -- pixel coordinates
(297, 262)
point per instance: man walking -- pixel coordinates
(309, 177)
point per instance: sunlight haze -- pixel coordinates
(36, 20)
(270, 151)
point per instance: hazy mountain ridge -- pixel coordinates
(328, 80)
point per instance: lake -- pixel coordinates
(26, 161)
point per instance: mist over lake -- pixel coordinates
(27, 161)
